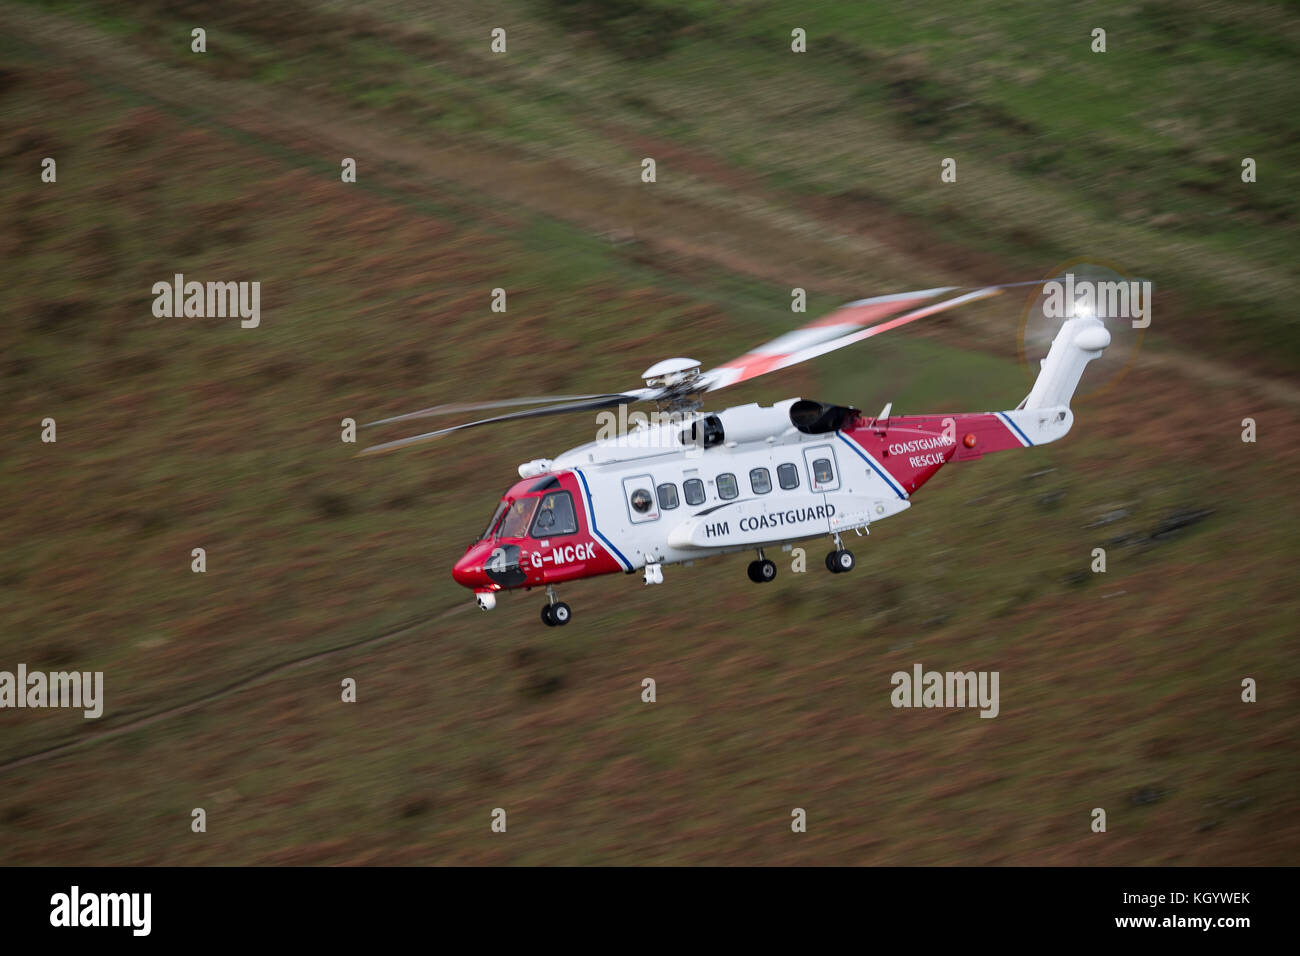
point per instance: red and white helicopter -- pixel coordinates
(688, 484)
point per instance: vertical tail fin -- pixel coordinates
(1080, 340)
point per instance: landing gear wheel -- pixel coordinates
(561, 614)
(766, 570)
(840, 562)
(752, 571)
(547, 619)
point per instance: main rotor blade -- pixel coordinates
(459, 407)
(848, 324)
(603, 401)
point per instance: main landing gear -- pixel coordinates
(839, 561)
(762, 570)
(555, 613)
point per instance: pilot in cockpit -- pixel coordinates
(554, 516)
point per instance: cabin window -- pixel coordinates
(554, 516)
(823, 473)
(667, 496)
(788, 476)
(638, 492)
(727, 487)
(693, 489)
(760, 479)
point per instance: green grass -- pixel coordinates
(1132, 155)
(182, 433)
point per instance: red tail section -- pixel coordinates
(913, 447)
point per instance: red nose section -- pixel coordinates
(469, 572)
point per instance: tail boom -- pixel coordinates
(911, 448)
(906, 451)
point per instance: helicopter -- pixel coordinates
(686, 484)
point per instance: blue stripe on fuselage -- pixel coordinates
(889, 479)
(591, 516)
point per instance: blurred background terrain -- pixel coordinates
(775, 170)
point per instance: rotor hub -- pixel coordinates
(671, 373)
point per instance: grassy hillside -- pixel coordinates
(1132, 155)
(1118, 690)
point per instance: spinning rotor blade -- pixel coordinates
(459, 407)
(848, 324)
(602, 401)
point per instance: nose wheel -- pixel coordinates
(555, 613)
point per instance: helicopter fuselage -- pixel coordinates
(745, 479)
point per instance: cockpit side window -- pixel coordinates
(515, 523)
(555, 516)
(496, 517)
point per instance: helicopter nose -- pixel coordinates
(468, 571)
